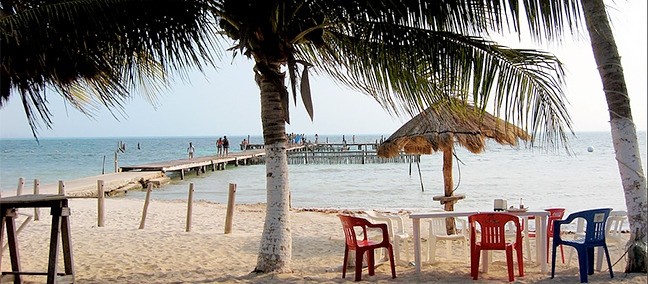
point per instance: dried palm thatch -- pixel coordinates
(439, 127)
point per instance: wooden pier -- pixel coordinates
(201, 164)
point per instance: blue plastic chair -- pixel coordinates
(594, 237)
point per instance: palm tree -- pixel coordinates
(406, 54)
(624, 133)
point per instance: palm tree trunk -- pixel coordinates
(275, 250)
(624, 134)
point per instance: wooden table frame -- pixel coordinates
(60, 225)
(540, 224)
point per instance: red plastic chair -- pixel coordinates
(349, 224)
(493, 237)
(554, 214)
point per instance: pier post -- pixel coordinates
(100, 203)
(182, 174)
(36, 191)
(189, 207)
(230, 208)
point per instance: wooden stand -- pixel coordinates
(60, 225)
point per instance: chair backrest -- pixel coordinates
(349, 223)
(554, 214)
(394, 221)
(493, 229)
(613, 227)
(438, 226)
(595, 224)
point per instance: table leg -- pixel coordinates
(54, 240)
(67, 241)
(10, 222)
(2, 229)
(416, 227)
(541, 242)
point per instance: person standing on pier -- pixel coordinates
(191, 150)
(244, 144)
(219, 146)
(225, 146)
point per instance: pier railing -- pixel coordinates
(343, 154)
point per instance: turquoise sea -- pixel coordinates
(540, 178)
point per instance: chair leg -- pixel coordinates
(464, 243)
(358, 265)
(371, 262)
(344, 264)
(607, 256)
(396, 248)
(553, 262)
(520, 261)
(509, 262)
(590, 261)
(474, 263)
(432, 243)
(391, 262)
(582, 264)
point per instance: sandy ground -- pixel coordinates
(163, 252)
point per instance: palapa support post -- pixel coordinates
(448, 185)
(36, 191)
(189, 207)
(100, 203)
(230, 208)
(149, 188)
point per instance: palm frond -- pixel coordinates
(105, 48)
(407, 70)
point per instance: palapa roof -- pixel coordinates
(439, 127)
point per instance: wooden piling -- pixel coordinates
(61, 187)
(149, 188)
(36, 191)
(100, 203)
(21, 184)
(230, 208)
(189, 207)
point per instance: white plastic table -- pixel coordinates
(540, 224)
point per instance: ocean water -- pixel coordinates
(541, 179)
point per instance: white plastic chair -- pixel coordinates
(397, 233)
(438, 233)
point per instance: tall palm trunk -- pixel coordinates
(624, 134)
(275, 251)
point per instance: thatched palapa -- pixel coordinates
(438, 128)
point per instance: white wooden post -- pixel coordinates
(149, 188)
(230, 208)
(100, 203)
(61, 188)
(189, 207)
(21, 184)
(36, 191)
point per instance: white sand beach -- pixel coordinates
(163, 252)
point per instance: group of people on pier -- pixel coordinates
(222, 146)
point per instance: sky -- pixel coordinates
(226, 101)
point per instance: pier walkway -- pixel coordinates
(200, 164)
